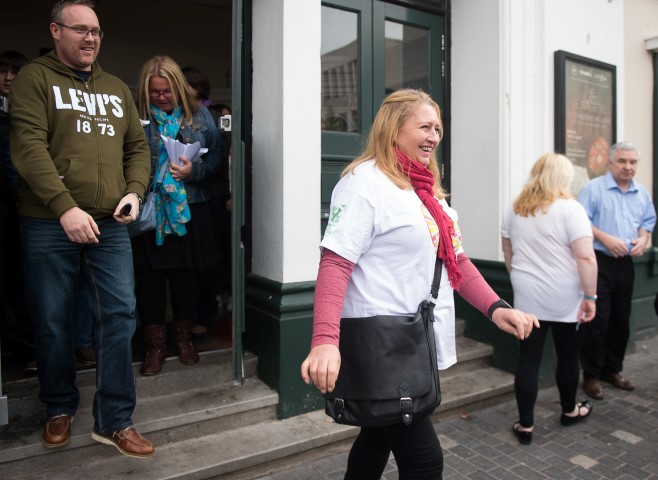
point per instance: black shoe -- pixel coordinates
(566, 420)
(525, 438)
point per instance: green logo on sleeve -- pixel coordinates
(336, 214)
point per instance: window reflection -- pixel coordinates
(407, 57)
(340, 105)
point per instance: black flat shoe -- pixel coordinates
(525, 438)
(566, 420)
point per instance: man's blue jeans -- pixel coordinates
(84, 314)
(52, 265)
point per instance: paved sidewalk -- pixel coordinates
(619, 441)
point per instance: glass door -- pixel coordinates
(369, 49)
(409, 52)
(346, 88)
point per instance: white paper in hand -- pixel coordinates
(176, 149)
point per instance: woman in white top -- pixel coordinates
(547, 242)
(389, 220)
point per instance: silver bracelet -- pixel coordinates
(138, 197)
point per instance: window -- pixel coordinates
(340, 78)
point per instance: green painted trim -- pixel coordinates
(279, 325)
(655, 138)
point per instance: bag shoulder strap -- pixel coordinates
(436, 282)
(163, 170)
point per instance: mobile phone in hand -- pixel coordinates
(125, 210)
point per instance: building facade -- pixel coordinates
(305, 77)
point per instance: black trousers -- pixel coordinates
(605, 338)
(567, 343)
(151, 292)
(416, 449)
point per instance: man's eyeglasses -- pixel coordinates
(157, 93)
(83, 32)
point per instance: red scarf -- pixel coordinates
(422, 180)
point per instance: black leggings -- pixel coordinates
(567, 347)
(416, 449)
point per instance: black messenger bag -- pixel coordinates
(388, 373)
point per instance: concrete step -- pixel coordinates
(209, 456)
(213, 366)
(164, 419)
(221, 430)
(244, 452)
(476, 389)
(471, 355)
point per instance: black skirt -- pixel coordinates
(196, 250)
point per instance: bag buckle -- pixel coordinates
(339, 403)
(406, 405)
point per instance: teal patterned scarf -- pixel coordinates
(171, 209)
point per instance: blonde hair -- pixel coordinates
(550, 179)
(165, 67)
(392, 115)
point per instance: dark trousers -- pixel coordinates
(567, 343)
(151, 290)
(605, 337)
(416, 449)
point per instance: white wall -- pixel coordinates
(641, 24)
(475, 127)
(502, 97)
(286, 148)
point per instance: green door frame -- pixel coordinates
(238, 206)
(4, 412)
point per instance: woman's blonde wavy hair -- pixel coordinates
(392, 115)
(166, 67)
(550, 180)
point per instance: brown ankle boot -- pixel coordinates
(156, 349)
(186, 352)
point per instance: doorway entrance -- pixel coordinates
(206, 34)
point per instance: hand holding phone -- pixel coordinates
(125, 210)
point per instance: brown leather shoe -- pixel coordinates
(618, 381)
(128, 441)
(593, 389)
(57, 431)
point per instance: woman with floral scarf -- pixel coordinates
(183, 244)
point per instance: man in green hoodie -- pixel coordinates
(83, 161)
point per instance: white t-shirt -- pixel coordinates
(544, 271)
(393, 239)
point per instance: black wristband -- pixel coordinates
(499, 304)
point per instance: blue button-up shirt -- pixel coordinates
(617, 213)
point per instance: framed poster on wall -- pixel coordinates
(585, 114)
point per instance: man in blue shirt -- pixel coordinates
(623, 217)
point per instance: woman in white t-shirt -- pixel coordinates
(388, 220)
(547, 242)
